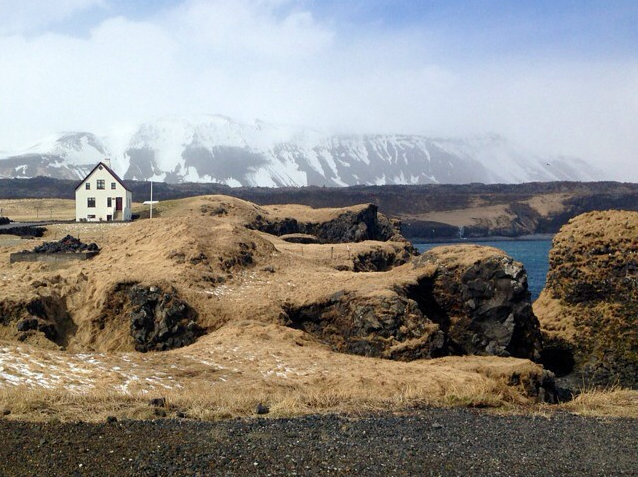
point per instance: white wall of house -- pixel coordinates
(96, 199)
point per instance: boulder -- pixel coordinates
(589, 307)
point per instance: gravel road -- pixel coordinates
(445, 442)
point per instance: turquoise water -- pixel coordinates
(534, 254)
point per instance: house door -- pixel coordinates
(118, 203)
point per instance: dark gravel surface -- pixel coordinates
(444, 442)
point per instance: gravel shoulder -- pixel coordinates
(441, 442)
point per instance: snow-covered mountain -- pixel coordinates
(219, 149)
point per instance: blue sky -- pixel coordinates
(486, 27)
(560, 77)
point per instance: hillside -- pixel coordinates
(200, 303)
(426, 211)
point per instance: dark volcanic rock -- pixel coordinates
(349, 226)
(4, 220)
(23, 231)
(382, 325)
(589, 308)
(379, 260)
(160, 320)
(482, 305)
(475, 302)
(68, 244)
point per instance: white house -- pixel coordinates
(102, 196)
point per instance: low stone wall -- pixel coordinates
(50, 257)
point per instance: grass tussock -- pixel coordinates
(611, 402)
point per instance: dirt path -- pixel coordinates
(432, 442)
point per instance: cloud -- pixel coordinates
(278, 61)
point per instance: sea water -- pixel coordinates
(534, 254)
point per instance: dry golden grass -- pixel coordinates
(28, 210)
(246, 357)
(229, 371)
(453, 256)
(549, 203)
(612, 402)
(37, 210)
(467, 216)
(206, 401)
(479, 212)
(572, 246)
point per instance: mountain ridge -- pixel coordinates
(218, 149)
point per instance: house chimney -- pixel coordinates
(107, 163)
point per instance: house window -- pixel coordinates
(87, 186)
(109, 202)
(90, 216)
(112, 185)
(100, 184)
(90, 202)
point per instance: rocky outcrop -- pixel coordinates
(4, 220)
(348, 226)
(160, 320)
(469, 300)
(378, 259)
(480, 298)
(589, 307)
(388, 325)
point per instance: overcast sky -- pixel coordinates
(560, 77)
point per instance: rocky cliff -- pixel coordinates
(464, 300)
(589, 307)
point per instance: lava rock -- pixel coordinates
(160, 320)
(68, 244)
(382, 325)
(27, 324)
(350, 226)
(483, 305)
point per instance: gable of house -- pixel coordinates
(102, 196)
(99, 167)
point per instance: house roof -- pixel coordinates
(109, 170)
